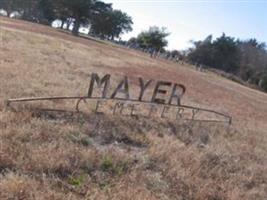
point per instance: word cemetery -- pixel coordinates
(137, 97)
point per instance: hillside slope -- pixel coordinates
(112, 157)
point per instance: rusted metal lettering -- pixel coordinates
(98, 104)
(159, 90)
(95, 78)
(133, 110)
(175, 95)
(164, 111)
(179, 113)
(194, 112)
(126, 103)
(122, 88)
(153, 108)
(118, 106)
(143, 87)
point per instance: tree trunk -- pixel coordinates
(68, 25)
(75, 30)
(62, 24)
(8, 13)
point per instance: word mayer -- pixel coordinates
(163, 92)
(137, 97)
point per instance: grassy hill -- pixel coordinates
(50, 155)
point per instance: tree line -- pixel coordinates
(246, 59)
(104, 21)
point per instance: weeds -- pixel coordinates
(115, 168)
(45, 155)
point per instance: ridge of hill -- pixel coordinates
(47, 155)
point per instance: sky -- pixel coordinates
(196, 19)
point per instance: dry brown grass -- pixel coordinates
(45, 155)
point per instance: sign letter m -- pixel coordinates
(99, 83)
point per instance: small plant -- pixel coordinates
(86, 141)
(81, 139)
(76, 181)
(108, 165)
(120, 167)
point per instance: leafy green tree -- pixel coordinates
(154, 38)
(110, 24)
(105, 21)
(120, 23)
(47, 9)
(203, 51)
(253, 59)
(51, 10)
(7, 6)
(100, 19)
(175, 54)
(263, 82)
(82, 11)
(132, 40)
(222, 53)
(30, 10)
(245, 59)
(226, 54)
(11, 5)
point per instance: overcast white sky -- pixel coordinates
(195, 19)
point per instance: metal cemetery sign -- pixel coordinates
(154, 98)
